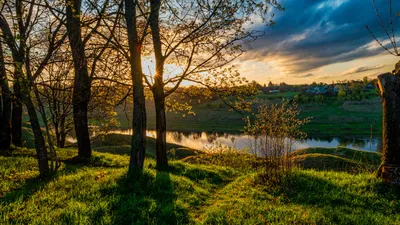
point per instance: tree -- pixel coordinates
(5, 105)
(366, 81)
(270, 84)
(83, 78)
(390, 168)
(56, 90)
(389, 86)
(25, 20)
(135, 43)
(82, 83)
(200, 38)
(356, 87)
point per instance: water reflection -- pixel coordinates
(204, 140)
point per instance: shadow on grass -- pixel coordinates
(342, 204)
(32, 185)
(196, 174)
(18, 153)
(121, 144)
(337, 159)
(145, 198)
(94, 161)
(71, 166)
(174, 151)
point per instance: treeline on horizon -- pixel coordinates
(299, 87)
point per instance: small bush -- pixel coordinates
(276, 127)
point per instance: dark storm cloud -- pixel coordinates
(314, 33)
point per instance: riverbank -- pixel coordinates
(345, 118)
(195, 193)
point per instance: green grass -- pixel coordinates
(101, 192)
(313, 197)
(336, 118)
(337, 159)
(279, 95)
(351, 117)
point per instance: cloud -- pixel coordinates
(312, 34)
(361, 69)
(304, 75)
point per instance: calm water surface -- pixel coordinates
(204, 140)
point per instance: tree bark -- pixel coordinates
(161, 131)
(61, 133)
(389, 86)
(158, 87)
(82, 82)
(138, 148)
(5, 106)
(16, 117)
(60, 139)
(40, 144)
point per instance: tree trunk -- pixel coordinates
(16, 117)
(138, 148)
(61, 133)
(62, 140)
(161, 131)
(5, 106)
(80, 110)
(82, 83)
(60, 137)
(40, 144)
(389, 86)
(158, 88)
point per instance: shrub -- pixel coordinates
(276, 127)
(342, 95)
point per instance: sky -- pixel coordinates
(322, 41)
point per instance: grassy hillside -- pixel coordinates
(100, 193)
(335, 118)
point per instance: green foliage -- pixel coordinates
(342, 95)
(276, 128)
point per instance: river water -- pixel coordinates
(205, 140)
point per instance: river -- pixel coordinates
(204, 140)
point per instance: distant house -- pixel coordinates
(370, 87)
(273, 91)
(322, 90)
(318, 90)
